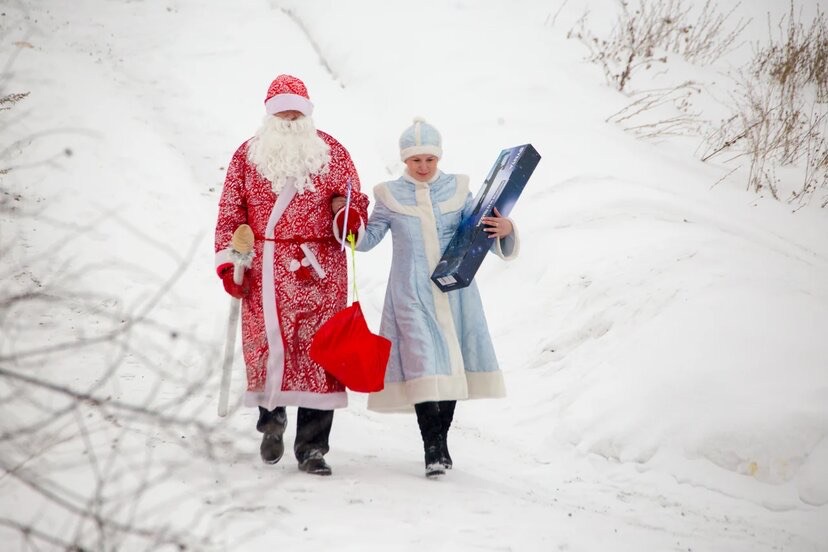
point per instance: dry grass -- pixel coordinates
(643, 34)
(780, 114)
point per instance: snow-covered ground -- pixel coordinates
(662, 338)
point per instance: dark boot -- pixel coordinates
(272, 424)
(428, 418)
(314, 463)
(313, 428)
(446, 416)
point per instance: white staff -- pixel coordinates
(241, 252)
(345, 216)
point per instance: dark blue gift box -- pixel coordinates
(470, 243)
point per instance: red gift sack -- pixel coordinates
(347, 350)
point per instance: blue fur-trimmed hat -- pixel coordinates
(420, 139)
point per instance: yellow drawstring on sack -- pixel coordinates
(352, 240)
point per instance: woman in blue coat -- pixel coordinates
(441, 348)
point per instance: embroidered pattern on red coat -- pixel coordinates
(305, 301)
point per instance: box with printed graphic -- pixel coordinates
(501, 189)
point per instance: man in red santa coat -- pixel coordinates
(288, 183)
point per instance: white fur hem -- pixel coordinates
(400, 396)
(319, 401)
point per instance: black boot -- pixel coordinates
(272, 424)
(314, 463)
(428, 418)
(446, 416)
(313, 428)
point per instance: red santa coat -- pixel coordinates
(284, 308)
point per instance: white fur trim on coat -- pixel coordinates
(423, 210)
(223, 260)
(508, 247)
(399, 396)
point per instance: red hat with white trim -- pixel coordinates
(287, 93)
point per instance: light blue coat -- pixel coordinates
(441, 347)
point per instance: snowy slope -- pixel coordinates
(660, 337)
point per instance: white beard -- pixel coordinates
(285, 151)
